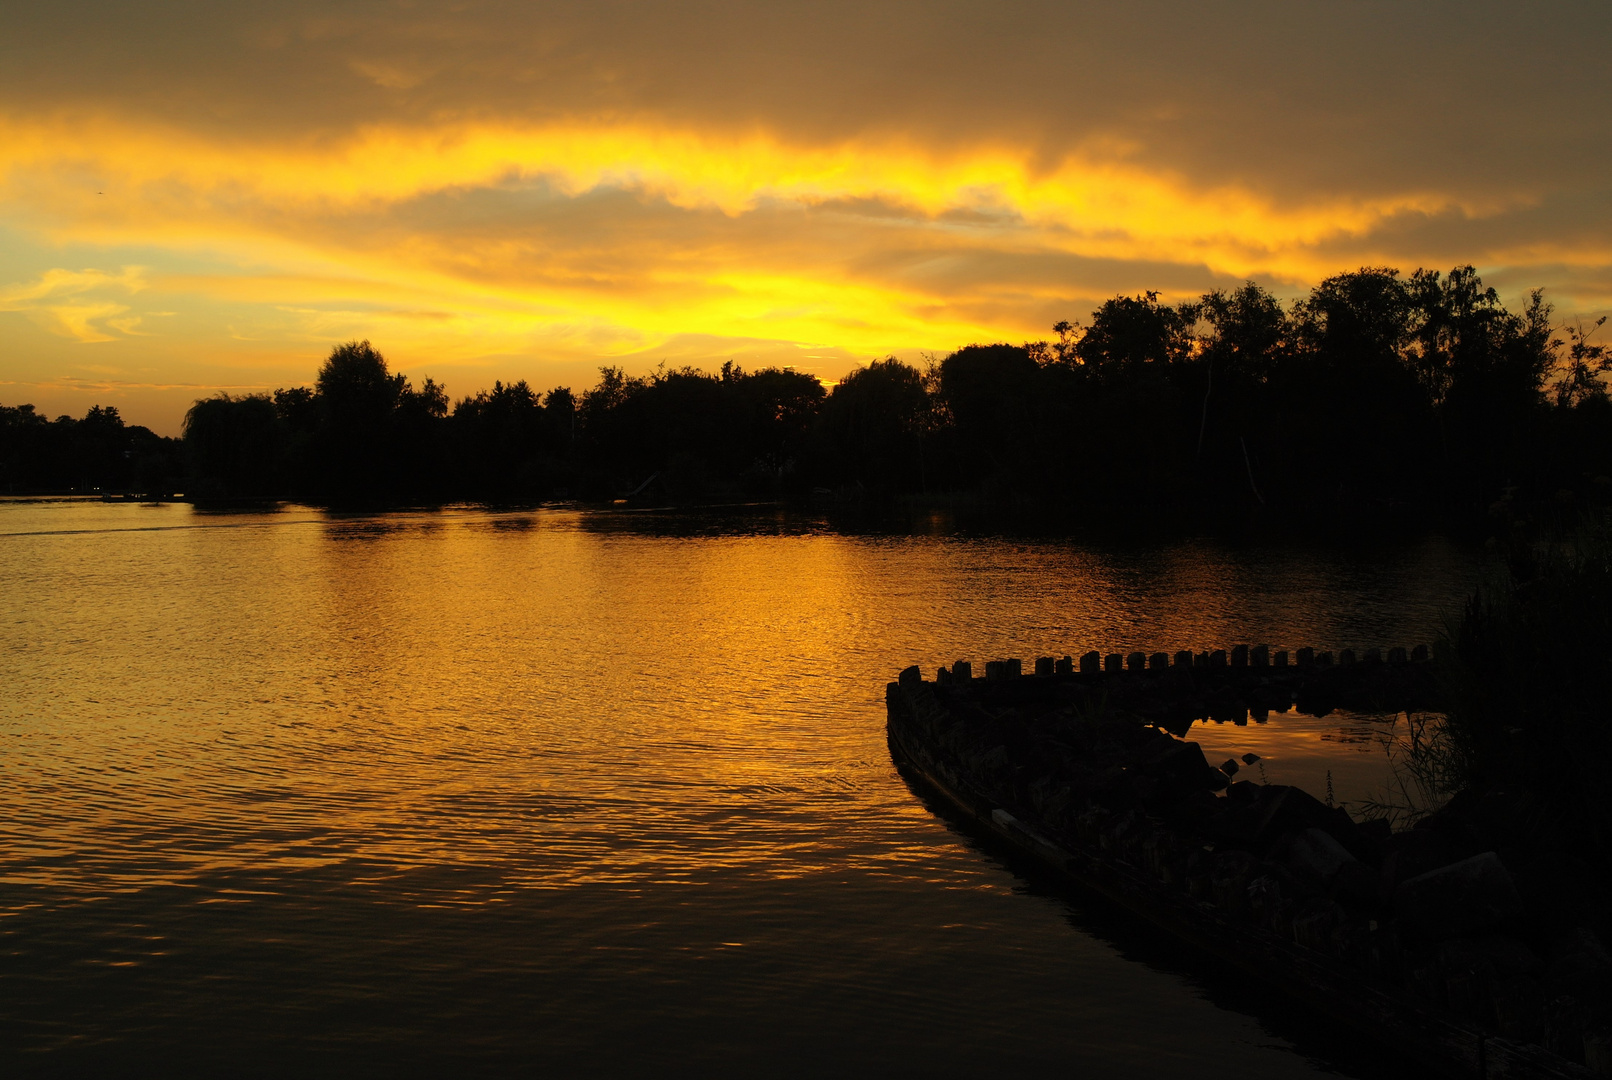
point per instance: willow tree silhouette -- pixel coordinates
(236, 447)
(873, 428)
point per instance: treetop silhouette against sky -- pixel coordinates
(192, 198)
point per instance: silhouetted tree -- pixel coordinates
(510, 445)
(993, 396)
(356, 450)
(235, 447)
(778, 407)
(1134, 337)
(872, 426)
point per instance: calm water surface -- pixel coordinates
(503, 793)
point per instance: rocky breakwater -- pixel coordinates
(1470, 942)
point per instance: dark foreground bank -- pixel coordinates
(1461, 943)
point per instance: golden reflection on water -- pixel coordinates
(462, 784)
(568, 698)
(1349, 750)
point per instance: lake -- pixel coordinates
(593, 793)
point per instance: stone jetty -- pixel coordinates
(1451, 941)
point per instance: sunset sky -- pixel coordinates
(198, 197)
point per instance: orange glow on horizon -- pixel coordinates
(467, 241)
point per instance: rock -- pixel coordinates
(1493, 981)
(911, 676)
(1464, 996)
(1260, 656)
(1423, 978)
(1375, 830)
(1064, 666)
(1270, 898)
(1183, 659)
(1278, 810)
(1199, 883)
(1158, 661)
(1315, 924)
(1250, 758)
(1554, 889)
(1357, 883)
(1091, 663)
(962, 671)
(1165, 856)
(1564, 1018)
(1043, 665)
(1229, 875)
(1598, 1049)
(1508, 957)
(1239, 656)
(1305, 657)
(1243, 793)
(1229, 766)
(1113, 662)
(1461, 898)
(1410, 854)
(1315, 853)
(1177, 768)
(1318, 854)
(1579, 963)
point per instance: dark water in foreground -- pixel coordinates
(471, 792)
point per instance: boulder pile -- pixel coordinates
(1478, 920)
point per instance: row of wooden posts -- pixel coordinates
(1241, 656)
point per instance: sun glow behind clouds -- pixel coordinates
(1090, 201)
(587, 241)
(165, 187)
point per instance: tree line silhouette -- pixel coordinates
(99, 453)
(1377, 389)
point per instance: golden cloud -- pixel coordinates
(57, 300)
(334, 218)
